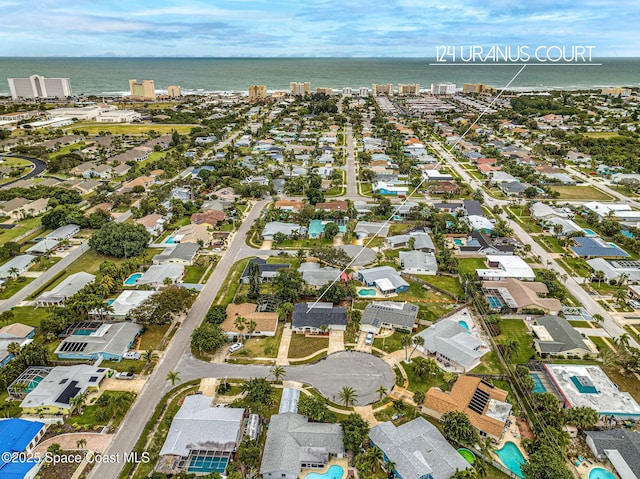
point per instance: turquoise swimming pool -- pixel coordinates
(169, 240)
(367, 292)
(334, 472)
(494, 302)
(464, 324)
(600, 473)
(512, 458)
(589, 232)
(626, 233)
(458, 241)
(539, 387)
(131, 280)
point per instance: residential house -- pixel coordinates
(485, 405)
(386, 279)
(505, 267)
(293, 443)
(153, 223)
(622, 212)
(417, 449)
(54, 394)
(19, 439)
(67, 288)
(64, 232)
(14, 333)
(121, 306)
(266, 323)
(513, 188)
(15, 208)
(316, 317)
(266, 271)
(201, 430)
(379, 315)
(16, 266)
(160, 274)
(452, 345)
(620, 447)
(193, 233)
(597, 247)
(87, 186)
(421, 241)
(288, 229)
(317, 276)
(337, 205)
(121, 169)
(180, 253)
(418, 262)
(481, 243)
(289, 205)
(480, 224)
(556, 337)
(144, 181)
(109, 342)
(613, 269)
(210, 217)
(366, 229)
(520, 296)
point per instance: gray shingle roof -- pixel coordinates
(417, 448)
(450, 339)
(418, 259)
(292, 439)
(565, 337)
(265, 270)
(108, 339)
(401, 315)
(371, 275)
(181, 251)
(315, 275)
(626, 443)
(319, 314)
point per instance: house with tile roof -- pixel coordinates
(266, 322)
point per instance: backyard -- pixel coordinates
(516, 329)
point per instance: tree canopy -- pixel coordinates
(121, 240)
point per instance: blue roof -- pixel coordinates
(15, 436)
(597, 247)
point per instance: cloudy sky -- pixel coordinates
(321, 28)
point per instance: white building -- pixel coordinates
(506, 266)
(446, 88)
(118, 116)
(37, 86)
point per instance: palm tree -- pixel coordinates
(481, 467)
(398, 404)
(240, 323)
(14, 349)
(417, 341)
(382, 392)
(80, 443)
(150, 356)
(278, 373)
(599, 276)
(79, 401)
(513, 348)
(173, 377)
(405, 341)
(621, 296)
(608, 357)
(418, 397)
(13, 271)
(623, 340)
(598, 318)
(348, 396)
(374, 456)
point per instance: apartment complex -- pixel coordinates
(477, 88)
(144, 90)
(296, 88)
(443, 88)
(37, 86)
(405, 90)
(325, 91)
(174, 91)
(377, 89)
(257, 92)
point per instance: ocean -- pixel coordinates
(109, 76)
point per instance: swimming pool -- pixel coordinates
(458, 241)
(467, 454)
(464, 324)
(131, 280)
(111, 301)
(589, 232)
(206, 464)
(367, 292)
(170, 240)
(539, 387)
(626, 233)
(494, 302)
(512, 458)
(600, 473)
(83, 332)
(334, 472)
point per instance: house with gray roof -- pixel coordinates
(179, 253)
(385, 278)
(453, 346)
(312, 317)
(43, 246)
(421, 241)
(67, 288)
(613, 269)
(109, 341)
(417, 449)
(366, 229)
(287, 229)
(200, 430)
(597, 247)
(315, 275)
(125, 302)
(294, 443)
(620, 446)
(472, 207)
(20, 263)
(157, 274)
(64, 232)
(418, 262)
(513, 188)
(266, 271)
(556, 337)
(379, 315)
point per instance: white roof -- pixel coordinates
(509, 266)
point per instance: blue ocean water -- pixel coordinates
(110, 75)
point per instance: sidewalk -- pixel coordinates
(283, 351)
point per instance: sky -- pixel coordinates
(309, 28)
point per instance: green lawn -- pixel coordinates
(599, 342)
(29, 315)
(193, 274)
(124, 129)
(266, 347)
(550, 243)
(88, 416)
(626, 383)
(390, 343)
(21, 228)
(232, 282)
(580, 193)
(578, 265)
(302, 346)
(125, 365)
(582, 324)
(469, 265)
(517, 329)
(68, 149)
(152, 336)
(489, 364)
(13, 286)
(448, 283)
(424, 383)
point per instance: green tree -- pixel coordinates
(278, 373)
(258, 391)
(418, 397)
(173, 377)
(582, 417)
(405, 342)
(545, 462)
(457, 426)
(382, 392)
(287, 284)
(249, 454)
(208, 338)
(417, 341)
(355, 430)
(121, 240)
(316, 409)
(348, 396)
(331, 230)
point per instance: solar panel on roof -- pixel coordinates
(101, 370)
(478, 401)
(69, 392)
(62, 381)
(93, 379)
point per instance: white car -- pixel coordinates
(235, 347)
(369, 339)
(124, 375)
(131, 355)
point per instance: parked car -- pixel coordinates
(131, 355)
(124, 375)
(369, 339)
(235, 347)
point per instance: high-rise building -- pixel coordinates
(477, 88)
(174, 91)
(299, 88)
(144, 90)
(257, 91)
(347, 91)
(377, 89)
(413, 89)
(443, 88)
(364, 91)
(37, 86)
(325, 91)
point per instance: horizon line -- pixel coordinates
(301, 58)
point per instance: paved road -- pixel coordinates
(609, 323)
(51, 273)
(38, 167)
(352, 185)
